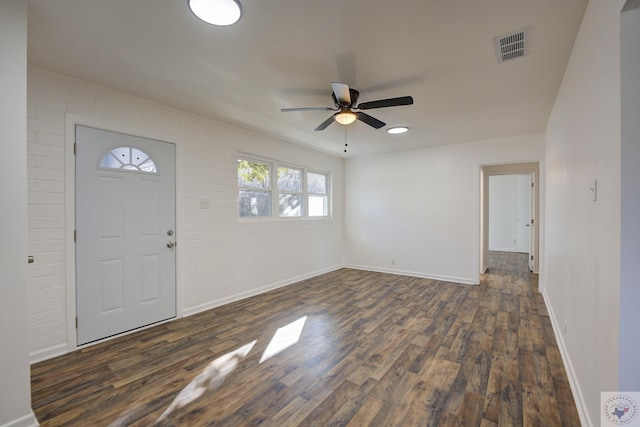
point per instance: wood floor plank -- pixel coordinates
(493, 394)
(288, 411)
(367, 413)
(470, 413)
(511, 393)
(375, 350)
(352, 405)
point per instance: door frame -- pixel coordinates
(508, 169)
(134, 129)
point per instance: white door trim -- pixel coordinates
(135, 129)
(486, 171)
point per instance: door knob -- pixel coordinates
(171, 244)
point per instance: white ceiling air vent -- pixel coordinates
(510, 46)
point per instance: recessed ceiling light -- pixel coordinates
(217, 12)
(398, 129)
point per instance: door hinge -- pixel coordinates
(76, 322)
(531, 260)
(532, 185)
(75, 235)
(75, 148)
(532, 221)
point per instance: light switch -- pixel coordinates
(594, 189)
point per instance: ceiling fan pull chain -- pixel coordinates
(345, 139)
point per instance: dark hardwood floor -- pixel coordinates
(355, 348)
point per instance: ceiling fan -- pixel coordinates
(345, 100)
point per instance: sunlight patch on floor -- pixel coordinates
(284, 338)
(210, 378)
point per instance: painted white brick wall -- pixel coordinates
(220, 257)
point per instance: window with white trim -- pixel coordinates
(254, 184)
(299, 192)
(317, 194)
(290, 195)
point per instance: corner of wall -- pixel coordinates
(581, 404)
(26, 421)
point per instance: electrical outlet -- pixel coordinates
(564, 327)
(204, 203)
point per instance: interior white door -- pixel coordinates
(125, 233)
(533, 223)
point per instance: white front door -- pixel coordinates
(125, 233)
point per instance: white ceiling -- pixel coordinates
(285, 53)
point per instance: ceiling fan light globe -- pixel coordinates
(346, 117)
(217, 12)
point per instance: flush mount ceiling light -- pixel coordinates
(346, 117)
(217, 12)
(398, 129)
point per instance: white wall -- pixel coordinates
(421, 208)
(220, 258)
(15, 390)
(582, 254)
(509, 200)
(629, 368)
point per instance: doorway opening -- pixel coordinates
(514, 229)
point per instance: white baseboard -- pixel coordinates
(28, 420)
(462, 280)
(503, 250)
(253, 292)
(48, 353)
(578, 397)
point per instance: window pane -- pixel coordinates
(289, 179)
(110, 161)
(123, 154)
(318, 206)
(290, 204)
(253, 174)
(255, 203)
(317, 183)
(138, 157)
(148, 166)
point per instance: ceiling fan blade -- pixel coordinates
(326, 123)
(371, 121)
(285, 110)
(342, 93)
(391, 102)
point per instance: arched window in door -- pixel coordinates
(129, 158)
